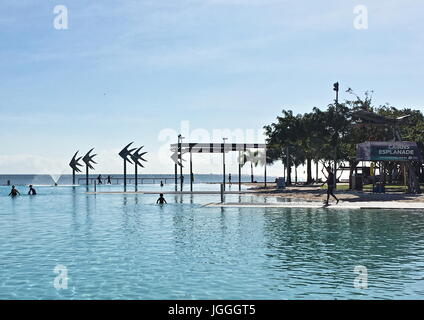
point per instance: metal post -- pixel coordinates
(336, 88)
(180, 156)
(335, 167)
(239, 174)
(222, 193)
(95, 184)
(191, 172)
(287, 165)
(73, 177)
(223, 169)
(125, 175)
(176, 183)
(86, 175)
(136, 179)
(265, 168)
(223, 161)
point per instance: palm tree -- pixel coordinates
(254, 157)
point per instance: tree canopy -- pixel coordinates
(322, 135)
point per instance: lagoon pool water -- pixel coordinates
(117, 246)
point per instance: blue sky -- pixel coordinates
(134, 70)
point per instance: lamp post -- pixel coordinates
(223, 161)
(336, 89)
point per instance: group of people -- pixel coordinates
(14, 192)
(99, 179)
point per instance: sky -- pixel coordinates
(146, 70)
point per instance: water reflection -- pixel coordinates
(126, 246)
(323, 246)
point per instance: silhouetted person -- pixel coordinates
(330, 185)
(8, 182)
(161, 184)
(161, 199)
(229, 178)
(14, 192)
(108, 180)
(99, 179)
(32, 191)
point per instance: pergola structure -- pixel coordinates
(180, 148)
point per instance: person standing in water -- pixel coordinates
(99, 179)
(108, 180)
(14, 192)
(229, 178)
(161, 199)
(330, 185)
(161, 183)
(32, 191)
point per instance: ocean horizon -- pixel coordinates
(66, 179)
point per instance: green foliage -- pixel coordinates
(316, 135)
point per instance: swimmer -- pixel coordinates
(14, 192)
(32, 191)
(161, 199)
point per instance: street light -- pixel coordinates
(336, 88)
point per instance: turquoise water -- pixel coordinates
(126, 247)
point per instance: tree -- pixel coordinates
(333, 133)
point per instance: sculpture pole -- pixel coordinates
(88, 159)
(74, 165)
(136, 157)
(125, 175)
(136, 179)
(124, 153)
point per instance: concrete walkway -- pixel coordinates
(168, 192)
(316, 205)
